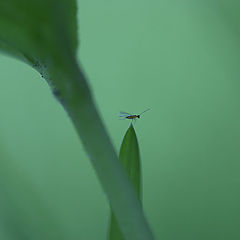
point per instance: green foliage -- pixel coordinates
(130, 159)
(42, 30)
(43, 33)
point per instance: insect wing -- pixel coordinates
(124, 114)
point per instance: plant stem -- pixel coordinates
(80, 106)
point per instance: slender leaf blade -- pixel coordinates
(130, 159)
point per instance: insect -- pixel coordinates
(125, 115)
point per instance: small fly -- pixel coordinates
(125, 115)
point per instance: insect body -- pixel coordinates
(133, 116)
(125, 115)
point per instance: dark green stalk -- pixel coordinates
(123, 199)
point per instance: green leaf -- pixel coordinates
(45, 30)
(130, 159)
(43, 33)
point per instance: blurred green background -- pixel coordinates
(181, 59)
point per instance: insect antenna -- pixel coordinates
(144, 111)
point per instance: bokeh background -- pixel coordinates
(181, 59)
